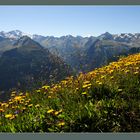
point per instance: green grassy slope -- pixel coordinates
(103, 100)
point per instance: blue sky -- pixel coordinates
(74, 20)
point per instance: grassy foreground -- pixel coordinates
(104, 100)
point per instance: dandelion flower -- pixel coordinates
(56, 113)
(84, 93)
(136, 72)
(30, 105)
(119, 89)
(38, 91)
(17, 98)
(61, 123)
(50, 111)
(45, 87)
(49, 96)
(1, 110)
(37, 105)
(8, 115)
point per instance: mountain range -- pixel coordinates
(27, 59)
(27, 65)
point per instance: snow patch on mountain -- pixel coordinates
(15, 34)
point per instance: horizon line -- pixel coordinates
(84, 36)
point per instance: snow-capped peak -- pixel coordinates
(15, 34)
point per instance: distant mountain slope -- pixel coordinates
(86, 54)
(101, 52)
(5, 44)
(81, 53)
(30, 64)
(69, 48)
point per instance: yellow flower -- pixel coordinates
(56, 113)
(49, 96)
(13, 94)
(100, 83)
(60, 111)
(24, 108)
(10, 103)
(12, 117)
(30, 105)
(21, 94)
(112, 77)
(45, 87)
(119, 89)
(37, 105)
(61, 123)
(1, 110)
(8, 115)
(26, 102)
(127, 71)
(102, 77)
(45, 93)
(3, 104)
(86, 82)
(110, 71)
(136, 72)
(38, 91)
(50, 111)
(17, 98)
(13, 107)
(85, 86)
(84, 93)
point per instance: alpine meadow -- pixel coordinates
(79, 73)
